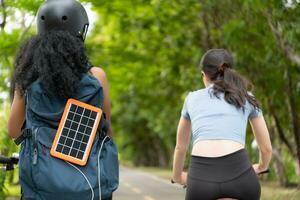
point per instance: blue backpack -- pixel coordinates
(44, 177)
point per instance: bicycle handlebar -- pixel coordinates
(9, 162)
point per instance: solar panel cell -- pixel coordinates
(66, 150)
(71, 115)
(85, 138)
(76, 144)
(65, 132)
(93, 115)
(77, 118)
(84, 120)
(72, 133)
(82, 147)
(80, 154)
(73, 108)
(79, 110)
(79, 136)
(68, 123)
(81, 129)
(62, 140)
(88, 131)
(87, 113)
(68, 142)
(91, 122)
(74, 153)
(59, 147)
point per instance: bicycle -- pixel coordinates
(9, 162)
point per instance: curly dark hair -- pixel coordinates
(24, 73)
(57, 59)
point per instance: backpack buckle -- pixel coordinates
(26, 133)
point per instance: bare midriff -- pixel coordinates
(215, 148)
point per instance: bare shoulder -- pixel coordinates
(99, 73)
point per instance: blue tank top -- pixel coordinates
(213, 118)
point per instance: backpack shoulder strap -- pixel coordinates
(103, 126)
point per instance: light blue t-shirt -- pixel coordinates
(214, 118)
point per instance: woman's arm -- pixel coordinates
(17, 116)
(182, 143)
(101, 76)
(262, 137)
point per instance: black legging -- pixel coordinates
(230, 176)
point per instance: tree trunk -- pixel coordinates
(277, 160)
(279, 168)
(294, 117)
(207, 43)
(289, 53)
(4, 14)
(278, 129)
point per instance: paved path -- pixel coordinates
(137, 185)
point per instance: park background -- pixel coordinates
(150, 50)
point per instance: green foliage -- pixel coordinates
(6, 146)
(150, 50)
(2, 189)
(148, 71)
(25, 5)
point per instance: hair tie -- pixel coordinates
(221, 68)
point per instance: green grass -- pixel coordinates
(13, 191)
(270, 190)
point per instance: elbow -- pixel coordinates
(267, 150)
(181, 149)
(10, 132)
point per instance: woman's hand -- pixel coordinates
(182, 180)
(259, 169)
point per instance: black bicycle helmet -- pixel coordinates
(67, 15)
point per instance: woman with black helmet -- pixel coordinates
(216, 118)
(54, 70)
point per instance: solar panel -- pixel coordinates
(76, 132)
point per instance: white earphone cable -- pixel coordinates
(99, 168)
(85, 179)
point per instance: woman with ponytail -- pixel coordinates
(216, 118)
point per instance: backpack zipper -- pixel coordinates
(35, 147)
